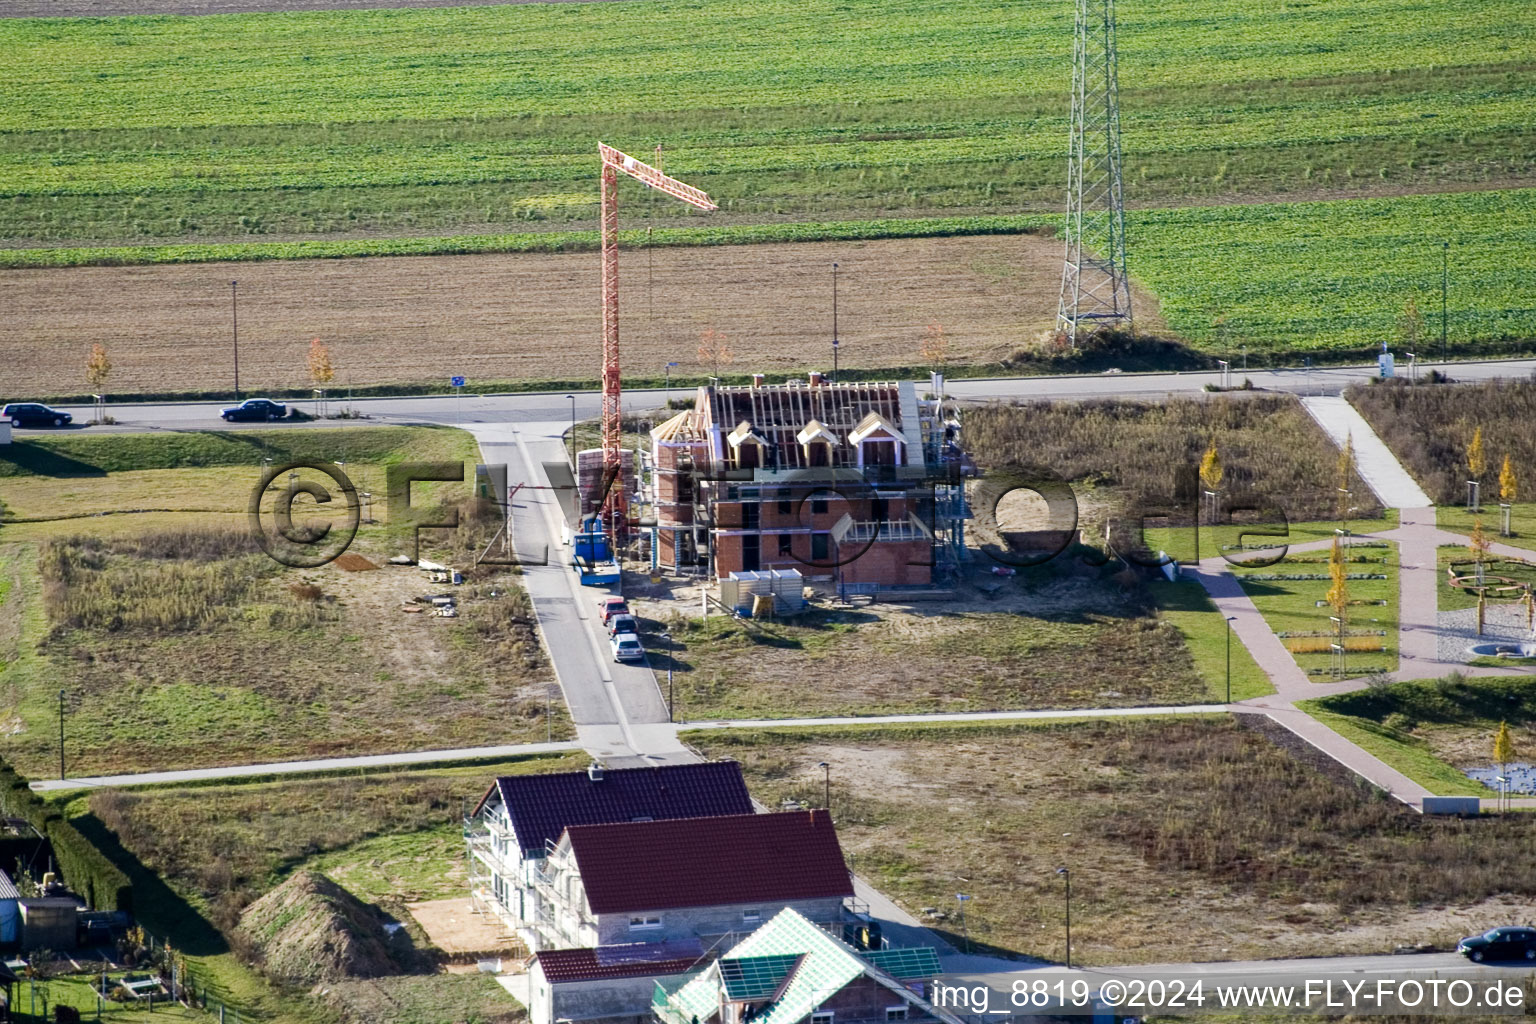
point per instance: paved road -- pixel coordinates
(1368, 976)
(553, 407)
(618, 710)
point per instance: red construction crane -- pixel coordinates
(616, 505)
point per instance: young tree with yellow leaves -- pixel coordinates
(1503, 751)
(714, 351)
(97, 369)
(1338, 589)
(1344, 479)
(321, 371)
(1509, 489)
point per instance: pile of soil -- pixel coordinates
(353, 563)
(310, 930)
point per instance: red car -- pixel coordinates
(608, 607)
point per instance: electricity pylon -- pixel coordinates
(1095, 291)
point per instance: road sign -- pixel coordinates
(457, 382)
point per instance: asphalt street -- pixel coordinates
(554, 407)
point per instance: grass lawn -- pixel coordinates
(1047, 639)
(1186, 605)
(1452, 598)
(197, 854)
(1292, 607)
(1229, 539)
(1187, 838)
(1522, 522)
(1428, 729)
(79, 991)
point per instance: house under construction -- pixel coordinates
(860, 483)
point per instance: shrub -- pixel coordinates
(1429, 429)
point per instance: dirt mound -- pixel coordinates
(354, 563)
(310, 930)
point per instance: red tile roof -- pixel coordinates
(700, 862)
(568, 965)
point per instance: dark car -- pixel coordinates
(622, 623)
(31, 414)
(1500, 944)
(255, 409)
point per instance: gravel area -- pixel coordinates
(1458, 630)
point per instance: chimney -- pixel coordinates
(815, 379)
(595, 771)
(757, 380)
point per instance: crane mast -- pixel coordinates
(616, 503)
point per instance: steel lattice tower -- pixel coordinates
(1095, 291)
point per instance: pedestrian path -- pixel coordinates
(327, 764)
(1378, 467)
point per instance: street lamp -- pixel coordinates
(668, 638)
(834, 323)
(234, 330)
(61, 734)
(668, 399)
(573, 431)
(962, 899)
(1230, 619)
(1067, 874)
(1445, 277)
(827, 798)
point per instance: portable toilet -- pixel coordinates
(10, 912)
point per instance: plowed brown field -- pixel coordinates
(527, 316)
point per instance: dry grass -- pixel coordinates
(1050, 639)
(1267, 444)
(405, 319)
(225, 657)
(226, 845)
(1428, 427)
(1187, 839)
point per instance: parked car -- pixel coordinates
(255, 409)
(1500, 944)
(608, 607)
(623, 623)
(33, 414)
(626, 647)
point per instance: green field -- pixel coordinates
(1337, 275)
(425, 121)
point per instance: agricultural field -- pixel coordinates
(1430, 429)
(1306, 862)
(1288, 281)
(180, 644)
(1431, 729)
(406, 122)
(516, 318)
(435, 132)
(205, 852)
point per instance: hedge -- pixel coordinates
(83, 867)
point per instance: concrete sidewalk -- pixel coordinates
(328, 764)
(1378, 467)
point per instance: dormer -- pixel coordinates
(877, 442)
(747, 446)
(817, 442)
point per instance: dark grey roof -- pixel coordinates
(541, 807)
